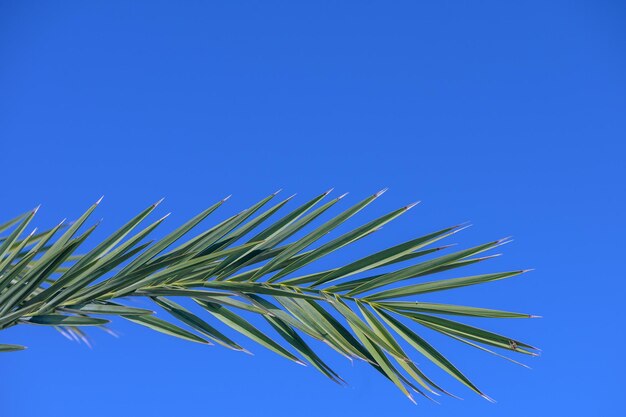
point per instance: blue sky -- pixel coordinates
(510, 116)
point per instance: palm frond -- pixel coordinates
(358, 312)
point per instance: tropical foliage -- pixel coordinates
(250, 264)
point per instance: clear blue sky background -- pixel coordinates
(511, 116)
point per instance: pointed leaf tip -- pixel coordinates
(226, 198)
(329, 191)
(158, 202)
(99, 200)
(461, 227)
(488, 398)
(277, 191)
(342, 196)
(11, 348)
(449, 245)
(381, 192)
(410, 206)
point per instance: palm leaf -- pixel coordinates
(246, 266)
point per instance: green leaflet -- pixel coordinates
(262, 255)
(110, 242)
(11, 348)
(131, 284)
(335, 244)
(325, 327)
(165, 327)
(259, 288)
(277, 233)
(69, 285)
(74, 226)
(60, 320)
(79, 292)
(238, 233)
(385, 257)
(356, 322)
(196, 323)
(470, 332)
(407, 365)
(5, 246)
(27, 268)
(45, 267)
(214, 241)
(316, 234)
(301, 346)
(5, 263)
(169, 239)
(427, 350)
(212, 296)
(109, 308)
(448, 309)
(445, 284)
(6, 225)
(421, 268)
(17, 314)
(272, 310)
(244, 327)
(484, 349)
(350, 285)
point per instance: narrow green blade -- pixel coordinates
(165, 327)
(470, 332)
(407, 365)
(449, 309)
(340, 242)
(383, 362)
(61, 320)
(11, 348)
(420, 268)
(301, 346)
(110, 242)
(386, 256)
(355, 322)
(250, 226)
(5, 246)
(109, 308)
(169, 239)
(427, 350)
(196, 322)
(7, 225)
(244, 327)
(259, 288)
(277, 233)
(5, 263)
(441, 285)
(74, 226)
(317, 234)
